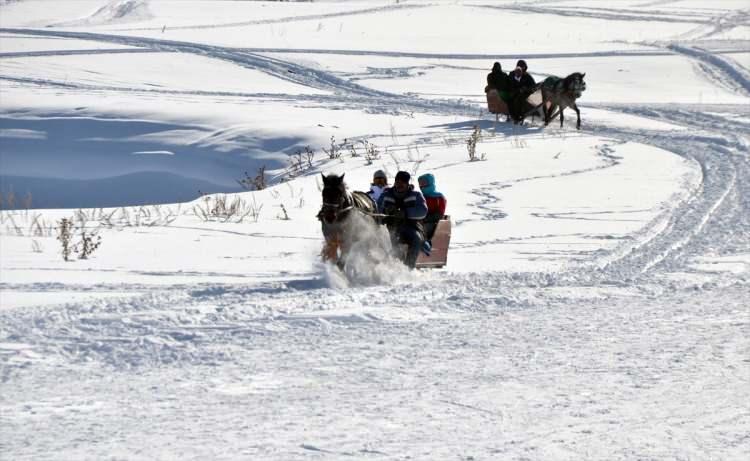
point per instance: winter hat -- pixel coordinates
(522, 64)
(429, 183)
(403, 176)
(380, 174)
(497, 67)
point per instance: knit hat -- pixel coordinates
(497, 67)
(522, 64)
(403, 176)
(380, 174)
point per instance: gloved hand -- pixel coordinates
(395, 216)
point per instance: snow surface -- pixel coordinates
(595, 301)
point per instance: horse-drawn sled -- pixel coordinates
(547, 99)
(351, 224)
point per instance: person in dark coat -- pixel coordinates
(499, 80)
(526, 80)
(405, 209)
(521, 86)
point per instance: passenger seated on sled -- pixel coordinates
(405, 209)
(436, 203)
(498, 80)
(379, 183)
(521, 86)
(523, 79)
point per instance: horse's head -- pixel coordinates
(334, 196)
(575, 83)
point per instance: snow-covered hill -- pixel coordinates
(594, 305)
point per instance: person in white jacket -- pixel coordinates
(379, 183)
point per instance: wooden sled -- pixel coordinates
(440, 241)
(495, 103)
(532, 106)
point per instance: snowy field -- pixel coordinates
(595, 304)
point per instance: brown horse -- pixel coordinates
(342, 218)
(562, 93)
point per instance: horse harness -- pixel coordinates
(356, 200)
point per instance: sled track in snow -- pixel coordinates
(728, 73)
(283, 70)
(286, 20)
(609, 14)
(353, 95)
(717, 211)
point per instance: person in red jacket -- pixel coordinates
(436, 203)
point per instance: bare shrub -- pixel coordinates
(285, 215)
(90, 241)
(471, 144)
(220, 208)
(148, 216)
(65, 236)
(254, 210)
(39, 227)
(352, 150)
(12, 227)
(254, 183)
(300, 161)
(309, 156)
(372, 152)
(36, 247)
(334, 152)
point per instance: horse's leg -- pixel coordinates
(578, 114)
(330, 250)
(561, 115)
(544, 110)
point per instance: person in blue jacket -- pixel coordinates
(405, 209)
